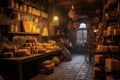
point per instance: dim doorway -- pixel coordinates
(81, 38)
(81, 34)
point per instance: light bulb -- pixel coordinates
(55, 18)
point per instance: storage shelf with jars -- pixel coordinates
(26, 9)
(27, 28)
(23, 18)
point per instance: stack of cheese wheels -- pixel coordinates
(47, 67)
(56, 60)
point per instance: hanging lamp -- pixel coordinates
(71, 12)
(55, 19)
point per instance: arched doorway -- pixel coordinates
(81, 34)
(81, 38)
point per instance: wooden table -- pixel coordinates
(18, 61)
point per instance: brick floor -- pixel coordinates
(77, 69)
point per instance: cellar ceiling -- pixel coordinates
(82, 7)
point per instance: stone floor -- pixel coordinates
(77, 69)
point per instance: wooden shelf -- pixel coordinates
(23, 34)
(110, 18)
(27, 13)
(18, 11)
(12, 34)
(112, 36)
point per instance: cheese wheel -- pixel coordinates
(29, 49)
(56, 61)
(22, 52)
(66, 53)
(47, 62)
(49, 67)
(8, 54)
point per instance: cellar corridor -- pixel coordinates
(76, 69)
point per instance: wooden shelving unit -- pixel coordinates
(109, 41)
